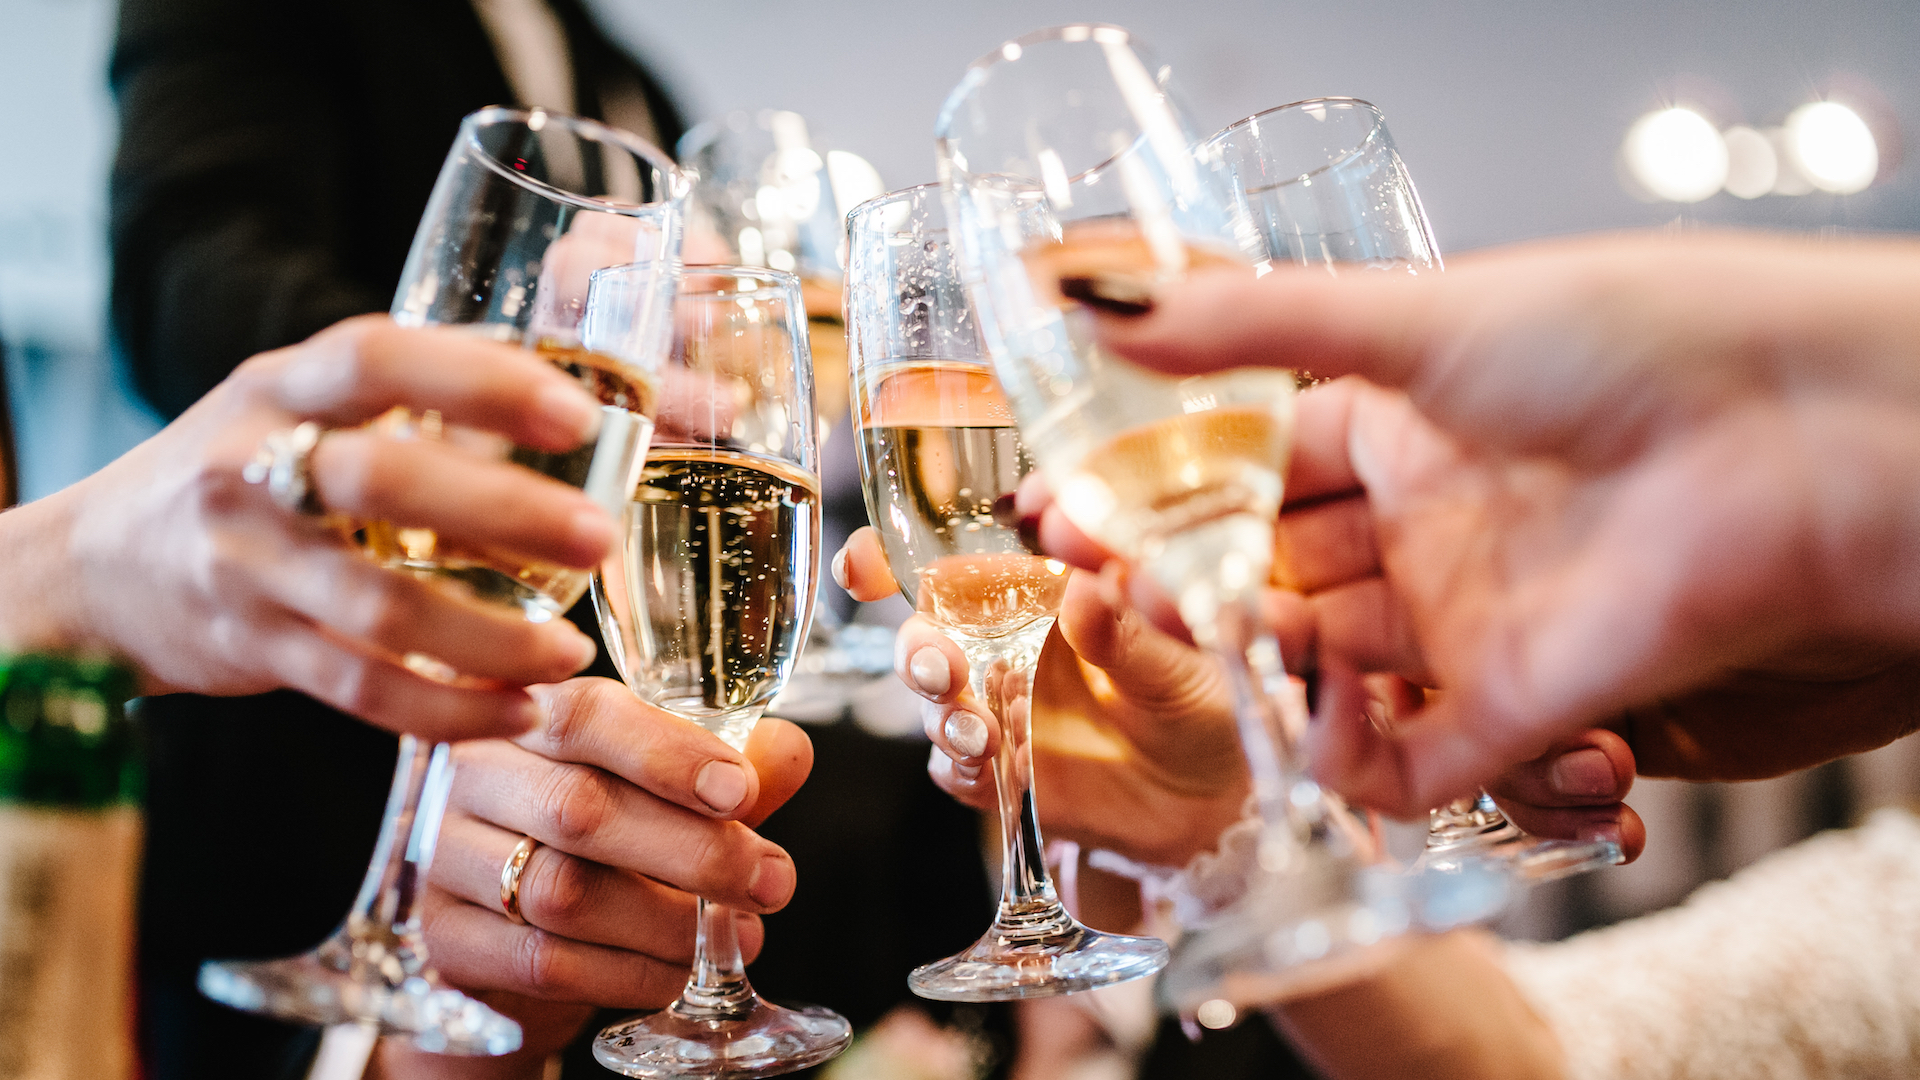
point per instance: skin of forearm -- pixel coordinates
(1443, 1009)
(38, 592)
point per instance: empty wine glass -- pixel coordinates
(527, 206)
(1323, 185)
(704, 605)
(1072, 176)
(939, 455)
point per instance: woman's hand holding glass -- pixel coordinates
(1134, 731)
(205, 584)
(635, 813)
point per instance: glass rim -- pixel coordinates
(771, 280)
(1010, 50)
(897, 195)
(677, 183)
(1374, 130)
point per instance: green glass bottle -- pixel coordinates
(71, 780)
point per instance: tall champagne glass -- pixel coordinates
(527, 206)
(1324, 186)
(704, 606)
(1071, 176)
(938, 454)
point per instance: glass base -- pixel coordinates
(764, 1040)
(322, 988)
(1532, 862)
(1063, 958)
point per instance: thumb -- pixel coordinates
(783, 756)
(1155, 672)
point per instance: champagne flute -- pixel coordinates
(1324, 186)
(1071, 175)
(704, 605)
(527, 206)
(938, 454)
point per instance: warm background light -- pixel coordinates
(1677, 155)
(1833, 147)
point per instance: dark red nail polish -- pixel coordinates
(1109, 294)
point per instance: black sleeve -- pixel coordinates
(226, 190)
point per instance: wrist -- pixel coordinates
(40, 594)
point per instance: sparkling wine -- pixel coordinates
(941, 450)
(1210, 474)
(720, 572)
(604, 469)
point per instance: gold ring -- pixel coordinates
(284, 462)
(510, 878)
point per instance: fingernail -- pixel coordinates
(721, 785)
(570, 409)
(967, 734)
(1028, 530)
(839, 568)
(584, 650)
(772, 882)
(1109, 293)
(528, 715)
(1005, 514)
(592, 528)
(929, 671)
(1582, 774)
(1597, 833)
(968, 773)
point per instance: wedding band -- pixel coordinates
(284, 462)
(510, 878)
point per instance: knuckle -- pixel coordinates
(562, 892)
(576, 707)
(542, 964)
(576, 802)
(384, 609)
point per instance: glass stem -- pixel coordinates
(385, 921)
(718, 988)
(1257, 677)
(1000, 673)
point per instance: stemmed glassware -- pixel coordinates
(1322, 185)
(527, 206)
(940, 459)
(705, 603)
(1072, 176)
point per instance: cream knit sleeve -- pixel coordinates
(1805, 965)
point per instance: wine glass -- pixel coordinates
(1323, 186)
(704, 605)
(1072, 175)
(768, 192)
(527, 206)
(939, 455)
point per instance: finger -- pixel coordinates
(430, 485)
(591, 813)
(969, 786)
(1152, 670)
(479, 949)
(599, 722)
(1591, 768)
(782, 756)
(861, 567)
(1368, 626)
(929, 662)
(1368, 324)
(1325, 544)
(963, 731)
(572, 897)
(399, 614)
(303, 657)
(358, 369)
(1616, 822)
(1319, 464)
(1045, 529)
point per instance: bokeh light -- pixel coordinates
(1833, 147)
(1677, 155)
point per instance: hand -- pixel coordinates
(636, 812)
(1628, 476)
(167, 559)
(1134, 740)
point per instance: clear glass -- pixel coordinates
(1323, 186)
(705, 605)
(527, 206)
(767, 191)
(940, 459)
(1071, 174)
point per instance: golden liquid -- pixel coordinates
(540, 589)
(1188, 451)
(720, 574)
(938, 450)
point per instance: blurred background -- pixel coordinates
(1519, 118)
